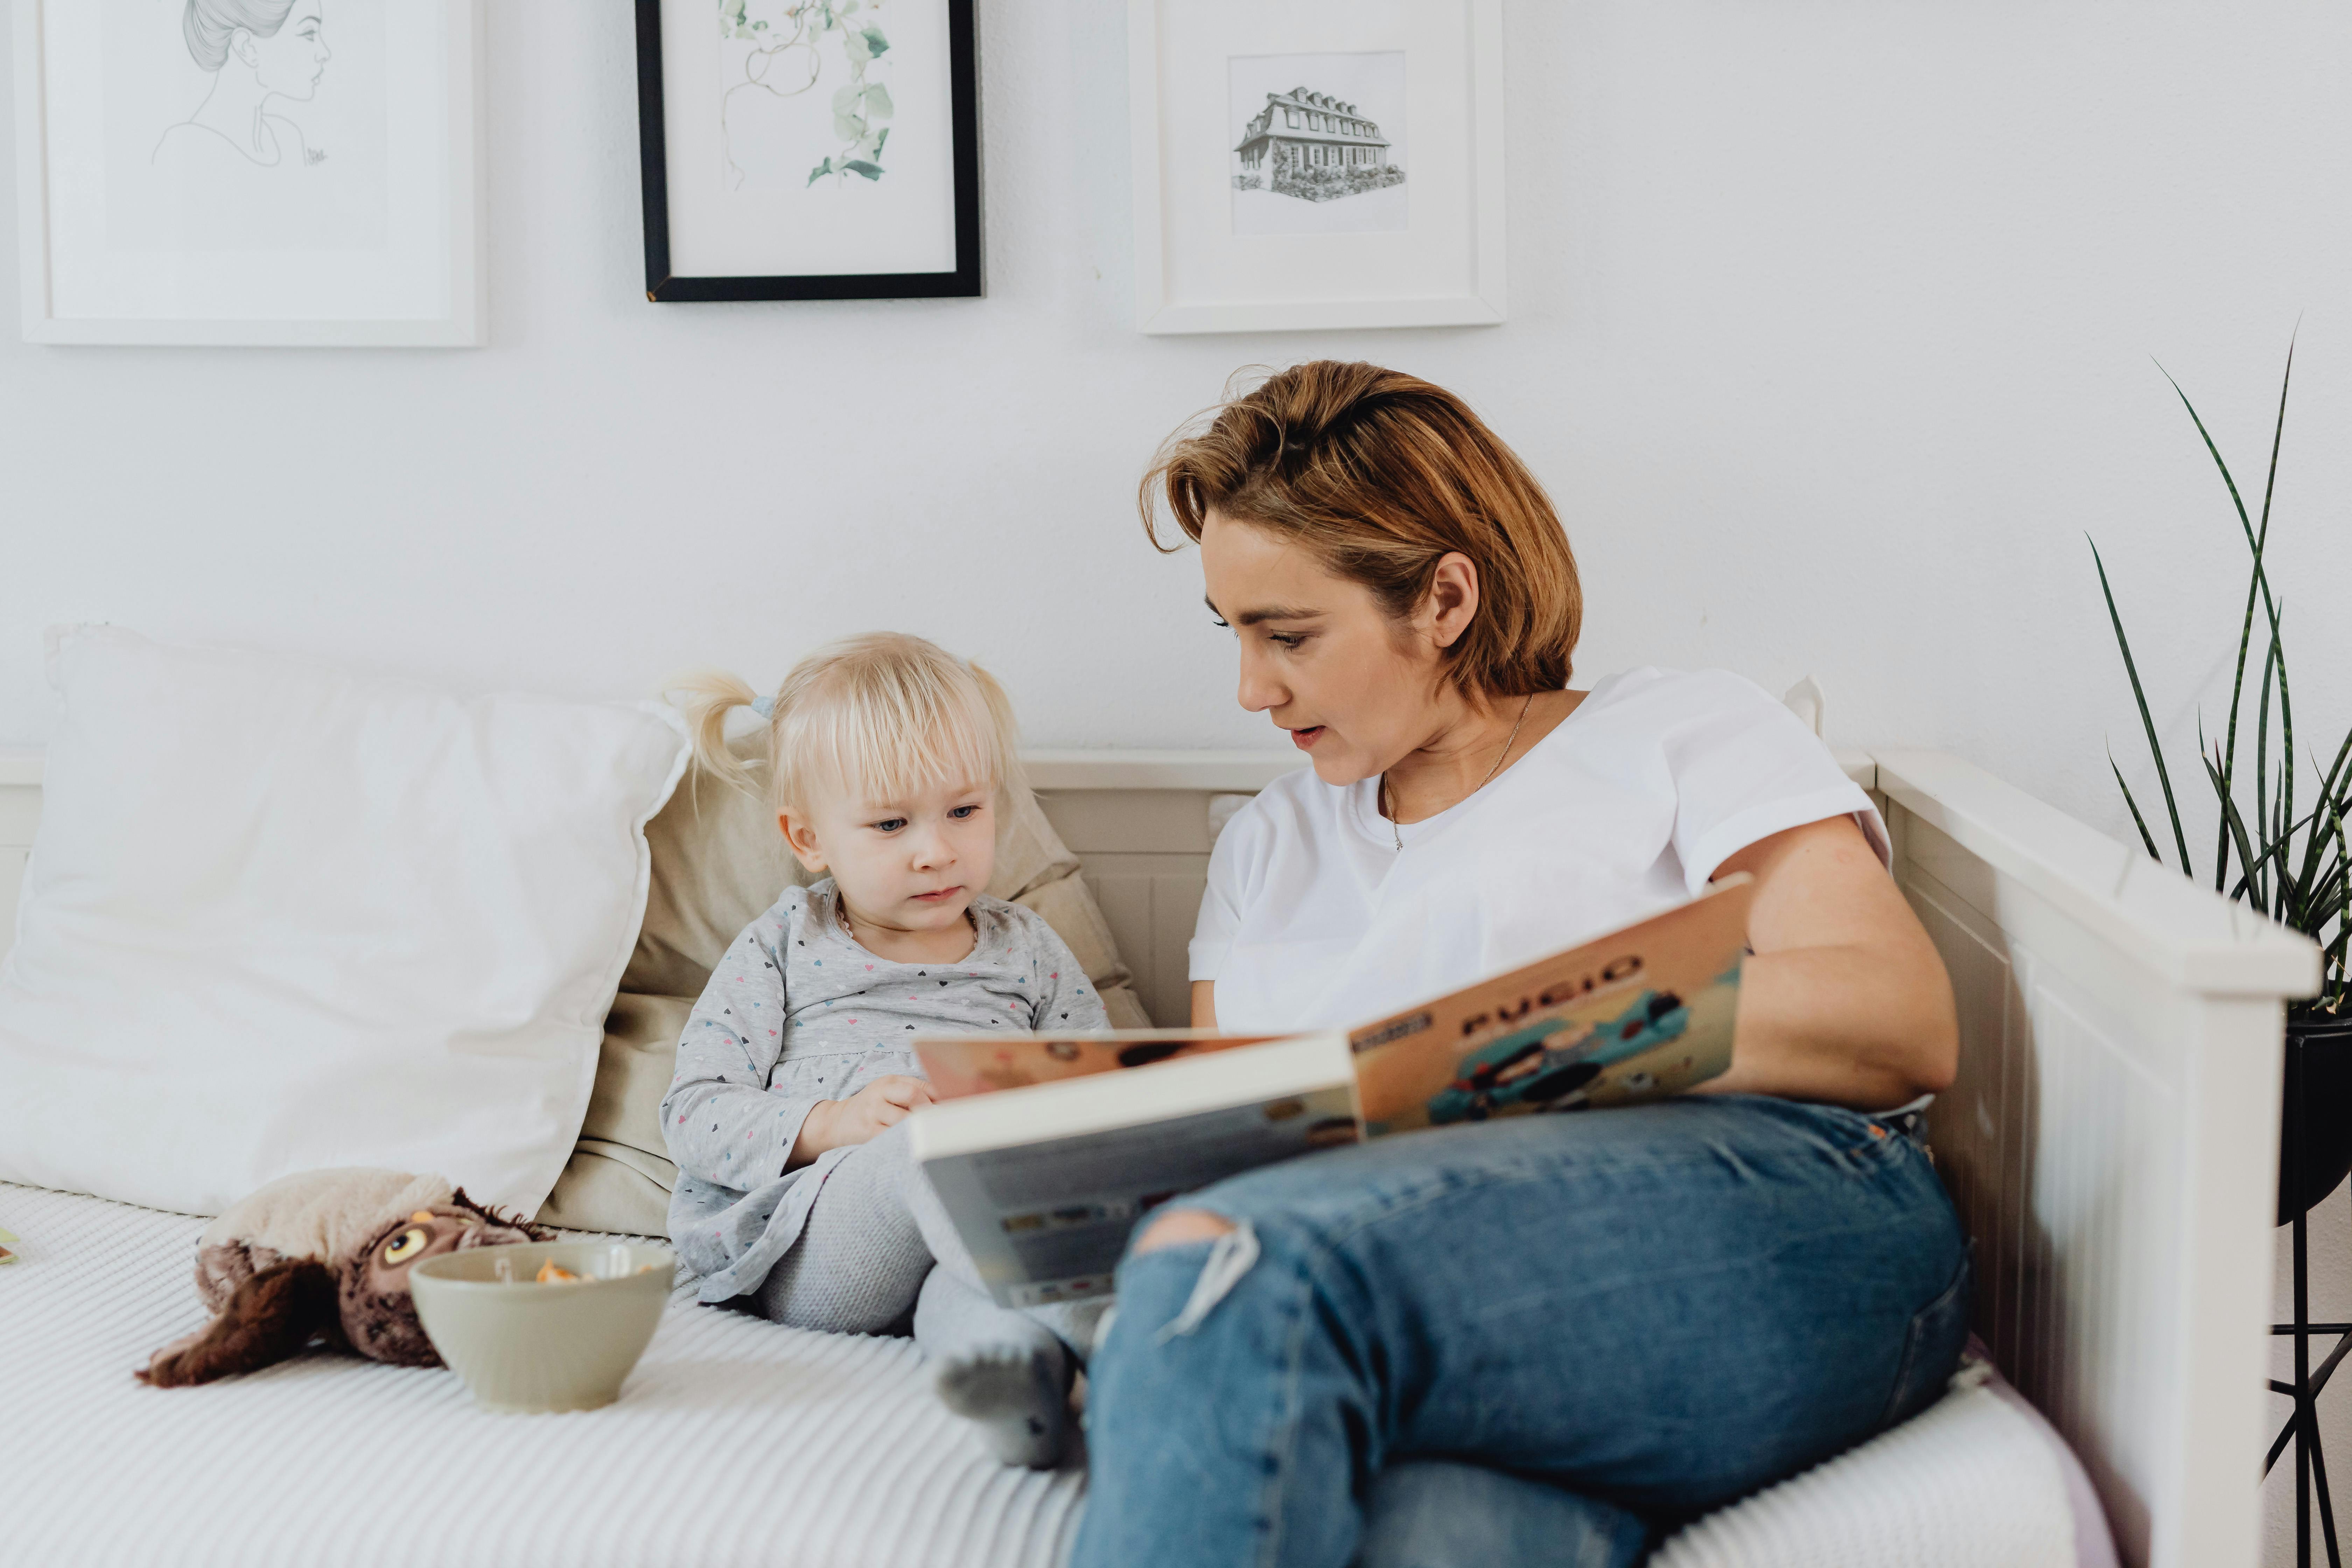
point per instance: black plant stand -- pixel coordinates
(2316, 1063)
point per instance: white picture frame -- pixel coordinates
(202, 242)
(1215, 253)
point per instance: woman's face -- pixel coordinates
(288, 61)
(1356, 689)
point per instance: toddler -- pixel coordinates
(889, 762)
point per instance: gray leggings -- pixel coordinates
(875, 1232)
(878, 1241)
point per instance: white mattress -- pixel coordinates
(735, 1441)
(1976, 1481)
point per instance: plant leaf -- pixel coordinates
(819, 172)
(2230, 819)
(2338, 949)
(2313, 846)
(2246, 631)
(860, 167)
(2163, 776)
(2261, 785)
(875, 42)
(2137, 820)
(878, 101)
(2286, 756)
(2278, 434)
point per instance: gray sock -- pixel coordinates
(1003, 1371)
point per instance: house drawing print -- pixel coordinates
(1312, 145)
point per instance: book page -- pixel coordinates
(959, 1065)
(1048, 1221)
(1635, 1016)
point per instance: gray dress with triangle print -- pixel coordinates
(797, 1011)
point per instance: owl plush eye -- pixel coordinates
(405, 1247)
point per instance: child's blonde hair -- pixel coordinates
(870, 717)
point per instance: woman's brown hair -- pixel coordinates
(1381, 475)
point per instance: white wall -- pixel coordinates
(1831, 330)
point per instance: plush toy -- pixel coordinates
(324, 1255)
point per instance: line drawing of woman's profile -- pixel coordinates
(256, 51)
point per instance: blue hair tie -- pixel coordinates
(765, 706)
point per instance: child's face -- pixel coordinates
(913, 863)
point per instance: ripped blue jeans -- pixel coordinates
(1548, 1340)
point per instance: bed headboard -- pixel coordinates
(2111, 1141)
(1142, 824)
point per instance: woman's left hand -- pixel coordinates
(1845, 999)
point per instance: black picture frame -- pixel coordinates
(665, 287)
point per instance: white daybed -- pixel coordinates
(2110, 1142)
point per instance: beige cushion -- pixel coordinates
(717, 864)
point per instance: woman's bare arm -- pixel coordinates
(1845, 999)
(1204, 1003)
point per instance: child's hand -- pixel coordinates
(834, 1123)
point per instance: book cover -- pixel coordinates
(1644, 1012)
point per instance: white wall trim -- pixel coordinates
(1235, 771)
(1223, 770)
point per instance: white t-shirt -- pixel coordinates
(1314, 919)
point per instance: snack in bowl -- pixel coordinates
(553, 1273)
(521, 1347)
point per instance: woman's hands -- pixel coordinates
(835, 1123)
(1845, 999)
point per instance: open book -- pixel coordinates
(1046, 1149)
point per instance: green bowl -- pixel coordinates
(524, 1346)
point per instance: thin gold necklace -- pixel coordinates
(1397, 833)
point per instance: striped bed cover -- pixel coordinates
(735, 1441)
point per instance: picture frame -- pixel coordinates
(1317, 163)
(184, 180)
(730, 116)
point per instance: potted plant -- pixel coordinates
(2277, 848)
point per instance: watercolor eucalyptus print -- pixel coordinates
(809, 149)
(777, 60)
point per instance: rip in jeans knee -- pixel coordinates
(1178, 1227)
(1231, 1257)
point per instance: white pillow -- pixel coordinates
(278, 916)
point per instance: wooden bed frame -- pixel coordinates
(2111, 1142)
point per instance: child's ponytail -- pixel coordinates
(707, 697)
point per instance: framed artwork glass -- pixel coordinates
(287, 172)
(809, 149)
(1316, 163)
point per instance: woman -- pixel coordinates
(1553, 1337)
